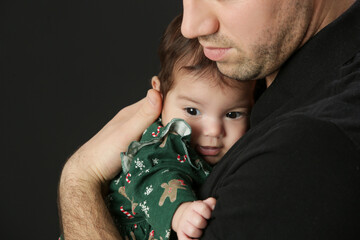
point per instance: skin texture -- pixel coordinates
(257, 36)
(191, 218)
(81, 207)
(257, 43)
(218, 114)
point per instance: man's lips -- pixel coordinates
(208, 151)
(215, 54)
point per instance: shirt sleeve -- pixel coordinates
(159, 190)
(160, 178)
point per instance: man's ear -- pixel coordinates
(155, 83)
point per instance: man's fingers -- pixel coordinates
(102, 152)
(150, 104)
(131, 122)
(146, 114)
(151, 108)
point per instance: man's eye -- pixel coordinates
(192, 111)
(235, 114)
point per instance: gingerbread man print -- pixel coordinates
(170, 190)
(133, 205)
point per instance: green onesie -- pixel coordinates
(159, 173)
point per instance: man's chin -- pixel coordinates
(237, 71)
(228, 70)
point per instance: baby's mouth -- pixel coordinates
(208, 150)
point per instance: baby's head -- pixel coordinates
(216, 107)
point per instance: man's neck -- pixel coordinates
(270, 78)
(325, 12)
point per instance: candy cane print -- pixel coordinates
(129, 216)
(157, 132)
(127, 178)
(152, 233)
(182, 182)
(181, 160)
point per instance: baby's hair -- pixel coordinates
(179, 53)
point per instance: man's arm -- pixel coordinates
(82, 209)
(81, 206)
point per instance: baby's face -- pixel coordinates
(218, 115)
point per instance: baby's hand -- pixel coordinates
(191, 218)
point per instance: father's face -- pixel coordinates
(248, 39)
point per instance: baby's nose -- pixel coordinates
(214, 128)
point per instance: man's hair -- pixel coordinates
(179, 53)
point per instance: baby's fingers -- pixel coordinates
(192, 231)
(210, 202)
(204, 208)
(183, 236)
(197, 220)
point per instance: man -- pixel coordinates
(296, 173)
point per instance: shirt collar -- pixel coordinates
(312, 64)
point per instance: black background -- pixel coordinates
(66, 68)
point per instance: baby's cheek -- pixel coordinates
(195, 131)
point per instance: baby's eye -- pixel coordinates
(192, 111)
(235, 115)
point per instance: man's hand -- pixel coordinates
(191, 218)
(99, 158)
(81, 207)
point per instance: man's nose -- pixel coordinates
(214, 128)
(198, 19)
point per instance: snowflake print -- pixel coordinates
(140, 173)
(145, 208)
(144, 132)
(139, 164)
(155, 161)
(148, 190)
(117, 181)
(167, 233)
(165, 171)
(147, 170)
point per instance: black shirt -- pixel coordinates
(296, 173)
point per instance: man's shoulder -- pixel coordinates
(303, 131)
(299, 172)
(296, 141)
(298, 135)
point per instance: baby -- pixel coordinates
(204, 114)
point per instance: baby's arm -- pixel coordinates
(191, 218)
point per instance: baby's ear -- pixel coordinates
(155, 83)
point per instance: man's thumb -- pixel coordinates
(151, 108)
